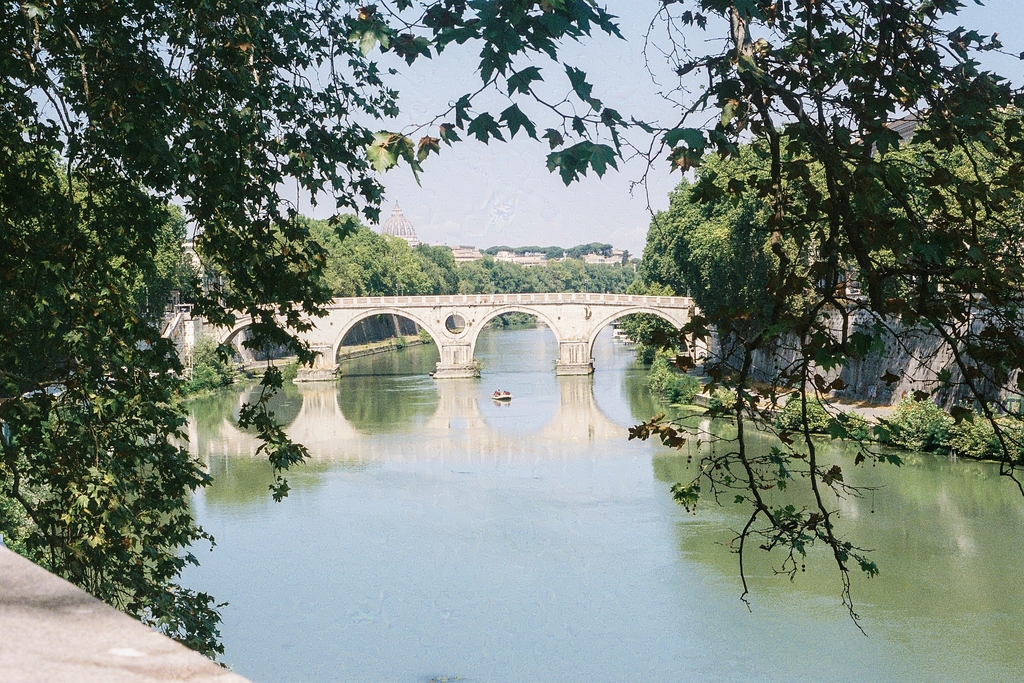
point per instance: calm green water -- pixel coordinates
(438, 534)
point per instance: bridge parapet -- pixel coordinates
(521, 298)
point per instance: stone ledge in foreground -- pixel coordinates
(52, 631)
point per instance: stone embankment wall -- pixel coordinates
(916, 355)
(378, 328)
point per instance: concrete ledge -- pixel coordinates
(574, 369)
(305, 374)
(455, 372)
(377, 347)
(52, 631)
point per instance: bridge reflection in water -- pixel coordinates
(453, 421)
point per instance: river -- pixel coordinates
(436, 535)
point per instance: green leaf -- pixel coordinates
(694, 138)
(462, 111)
(427, 145)
(583, 89)
(683, 158)
(383, 151)
(448, 133)
(515, 119)
(601, 157)
(387, 148)
(687, 495)
(368, 38)
(410, 47)
(485, 127)
(555, 139)
(521, 80)
(573, 162)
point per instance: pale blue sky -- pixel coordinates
(502, 193)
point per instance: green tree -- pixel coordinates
(716, 251)
(827, 95)
(110, 112)
(919, 425)
(438, 264)
(210, 370)
(581, 250)
(668, 382)
(475, 277)
(360, 262)
(93, 487)
(650, 332)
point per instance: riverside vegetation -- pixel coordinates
(916, 424)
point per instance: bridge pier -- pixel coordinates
(456, 361)
(574, 358)
(325, 367)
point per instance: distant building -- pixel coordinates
(464, 254)
(399, 226)
(614, 260)
(188, 247)
(530, 258)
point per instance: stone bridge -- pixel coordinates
(455, 321)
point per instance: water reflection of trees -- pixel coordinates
(209, 410)
(942, 527)
(375, 405)
(419, 359)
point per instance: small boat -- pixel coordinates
(500, 395)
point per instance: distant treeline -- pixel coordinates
(364, 263)
(579, 251)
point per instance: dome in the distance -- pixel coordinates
(399, 226)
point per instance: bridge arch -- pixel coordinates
(230, 335)
(479, 325)
(227, 334)
(435, 334)
(674, 319)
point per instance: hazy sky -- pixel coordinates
(502, 193)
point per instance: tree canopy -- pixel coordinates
(364, 263)
(886, 156)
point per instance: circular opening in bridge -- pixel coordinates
(455, 323)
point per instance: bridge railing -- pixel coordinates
(531, 298)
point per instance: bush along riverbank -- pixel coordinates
(915, 425)
(923, 426)
(210, 370)
(670, 384)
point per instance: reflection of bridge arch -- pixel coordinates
(457, 429)
(574, 318)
